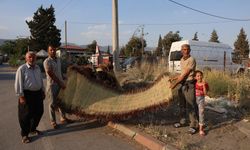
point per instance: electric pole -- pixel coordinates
(115, 35)
(66, 44)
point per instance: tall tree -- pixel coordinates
(241, 46)
(159, 48)
(134, 46)
(42, 29)
(108, 50)
(195, 37)
(92, 47)
(214, 37)
(168, 39)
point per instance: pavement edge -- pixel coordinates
(144, 139)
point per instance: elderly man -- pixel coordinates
(186, 93)
(52, 67)
(30, 91)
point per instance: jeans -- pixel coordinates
(200, 100)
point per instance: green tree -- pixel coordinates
(195, 37)
(168, 39)
(42, 29)
(92, 47)
(108, 50)
(134, 46)
(21, 46)
(241, 46)
(214, 37)
(158, 51)
(8, 47)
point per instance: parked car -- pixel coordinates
(129, 63)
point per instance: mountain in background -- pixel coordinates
(3, 40)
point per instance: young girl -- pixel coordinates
(201, 88)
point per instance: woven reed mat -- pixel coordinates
(86, 98)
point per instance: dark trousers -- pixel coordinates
(30, 113)
(187, 102)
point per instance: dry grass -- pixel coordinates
(235, 87)
(145, 72)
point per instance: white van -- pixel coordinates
(208, 55)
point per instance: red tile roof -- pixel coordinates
(72, 47)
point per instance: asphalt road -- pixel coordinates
(76, 136)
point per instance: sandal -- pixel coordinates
(25, 139)
(54, 125)
(36, 132)
(191, 130)
(66, 121)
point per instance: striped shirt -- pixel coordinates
(28, 78)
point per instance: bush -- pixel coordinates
(14, 61)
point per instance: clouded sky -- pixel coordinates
(90, 20)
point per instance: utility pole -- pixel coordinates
(142, 40)
(115, 35)
(66, 44)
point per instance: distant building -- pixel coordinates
(73, 50)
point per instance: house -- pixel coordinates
(73, 50)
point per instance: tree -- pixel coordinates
(108, 50)
(159, 48)
(134, 46)
(8, 47)
(214, 37)
(92, 47)
(42, 29)
(241, 46)
(168, 39)
(195, 37)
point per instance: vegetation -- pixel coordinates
(214, 37)
(241, 46)
(42, 29)
(92, 47)
(195, 37)
(168, 39)
(159, 49)
(134, 46)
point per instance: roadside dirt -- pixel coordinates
(222, 133)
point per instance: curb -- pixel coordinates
(144, 139)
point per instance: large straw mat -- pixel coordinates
(85, 97)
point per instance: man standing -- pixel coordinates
(186, 93)
(30, 91)
(52, 67)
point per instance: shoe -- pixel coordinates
(36, 132)
(191, 130)
(25, 139)
(66, 121)
(54, 125)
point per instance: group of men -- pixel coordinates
(31, 92)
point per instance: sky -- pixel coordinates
(89, 20)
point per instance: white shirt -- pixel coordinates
(28, 78)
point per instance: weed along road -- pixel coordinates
(80, 135)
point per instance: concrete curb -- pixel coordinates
(144, 139)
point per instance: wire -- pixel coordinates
(202, 12)
(148, 24)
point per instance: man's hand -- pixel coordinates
(22, 100)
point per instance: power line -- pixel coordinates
(149, 24)
(212, 15)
